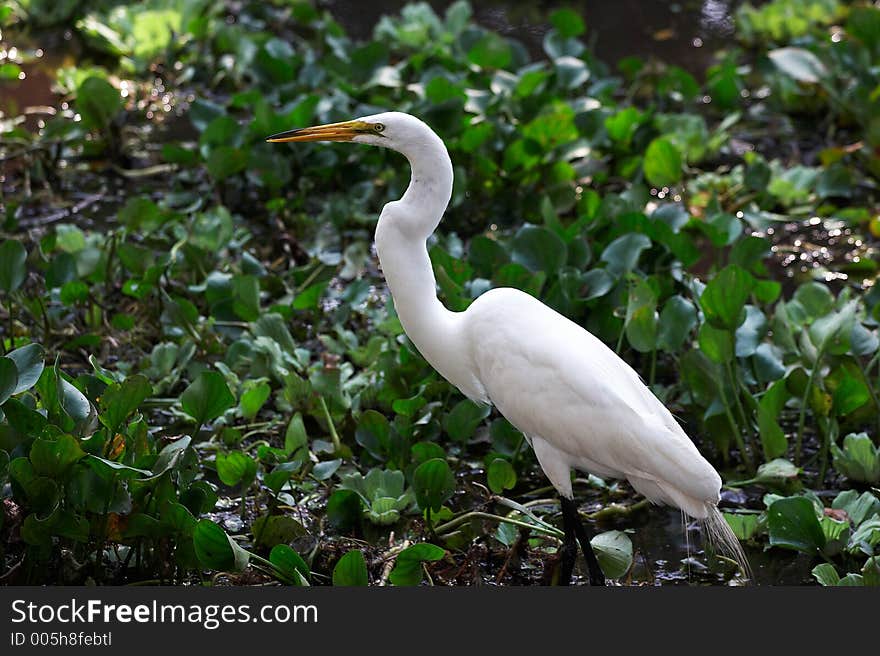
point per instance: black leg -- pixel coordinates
(575, 530)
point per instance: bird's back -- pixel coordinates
(582, 405)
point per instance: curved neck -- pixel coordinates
(403, 228)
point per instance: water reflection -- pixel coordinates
(684, 33)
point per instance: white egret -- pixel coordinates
(579, 405)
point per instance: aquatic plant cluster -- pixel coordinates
(202, 375)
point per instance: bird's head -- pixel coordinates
(395, 130)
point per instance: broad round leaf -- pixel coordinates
(408, 568)
(29, 362)
(216, 550)
(663, 163)
(207, 397)
(614, 553)
(351, 570)
(433, 483)
(793, 524)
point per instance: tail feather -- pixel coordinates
(723, 539)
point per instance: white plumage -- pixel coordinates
(578, 403)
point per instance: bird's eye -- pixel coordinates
(379, 127)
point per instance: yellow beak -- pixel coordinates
(345, 131)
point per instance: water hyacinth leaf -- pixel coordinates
(253, 398)
(73, 402)
(13, 257)
(614, 553)
(622, 254)
(296, 436)
(408, 567)
(568, 23)
(825, 574)
(831, 333)
(52, 458)
(798, 63)
(119, 400)
(678, 318)
(859, 459)
(773, 440)
(8, 378)
(216, 550)
(777, 471)
(207, 397)
(743, 525)
(271, 530)
(793, 524)
(641, 317)
(98, 102)
(462, 421)
(663, 163)
(344, 510)
(433, 483)
(538, 249)
(29, 361)
(491, 51)
(716, 343)
(326, 468)
(236, 467)
(858, 507)
(351, 570)
(725, 296)
(501, 476)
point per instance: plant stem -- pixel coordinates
(476, 514)
(737, 435)
(337, 444)
(802, 415)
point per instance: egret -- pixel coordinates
(579, 405)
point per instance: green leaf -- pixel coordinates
(716, 343)
(663, 163)
(725, 296)
(567, 23)
(538, 249)
(858, 507)
(773, 439)
(290, 565)
(826, 575)
(98, 102)
(351, 570)
(236, 467)
(8, 378)
(270, 530)
(678, 318)
(295, 437)
(800, 64)
(622, 254)
(119, 400)
(29, 362)
(344, 510)
(53, 458)
(641, 317)
(743, 525)
(614, 553)
(253, 398)
(408, 567)
(793, 524)
(12, 265)
(461, 423)
(491, 51)
(207, 397)
(73, 402)
(501, 476)
(859, 459)
(216, 550)
(433, 483)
